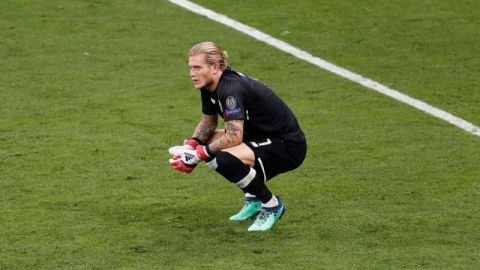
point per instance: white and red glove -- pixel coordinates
(177, 164)
(193, 157)
(184, 157)
(178, 150)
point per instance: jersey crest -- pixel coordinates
(232, 109)
(231, 102)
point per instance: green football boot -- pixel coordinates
(250, 208)
(267, 217)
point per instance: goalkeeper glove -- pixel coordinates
(189, 144)
(177, 151)
(193, 157)
(177, 164)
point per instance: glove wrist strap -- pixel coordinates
(203, 152)
(193, 142)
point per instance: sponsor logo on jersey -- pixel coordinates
(233, 112)
(213, 100)
(232, 109)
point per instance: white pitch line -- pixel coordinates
(371, 84)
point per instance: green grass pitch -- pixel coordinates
(93, 92)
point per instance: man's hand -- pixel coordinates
(187, 156)
(177, 163)
(178, 150)
(193, 157)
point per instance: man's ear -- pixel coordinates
(216, 68)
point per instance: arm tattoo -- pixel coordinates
(206, 128)
(233, 136)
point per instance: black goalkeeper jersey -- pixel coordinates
(239, 97)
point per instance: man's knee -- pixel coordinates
(230, 167)
(242, 152)
(245, 177)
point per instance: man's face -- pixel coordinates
(201, 73)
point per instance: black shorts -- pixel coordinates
(278, 155)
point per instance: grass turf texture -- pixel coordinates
(94, 92)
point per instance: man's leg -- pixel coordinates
(231, 163)
(252, 204)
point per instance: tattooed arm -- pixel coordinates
(233, 136)
(206, 128)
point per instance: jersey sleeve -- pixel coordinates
(232, 99)
(207, 107)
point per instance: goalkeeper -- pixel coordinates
(261, 137)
